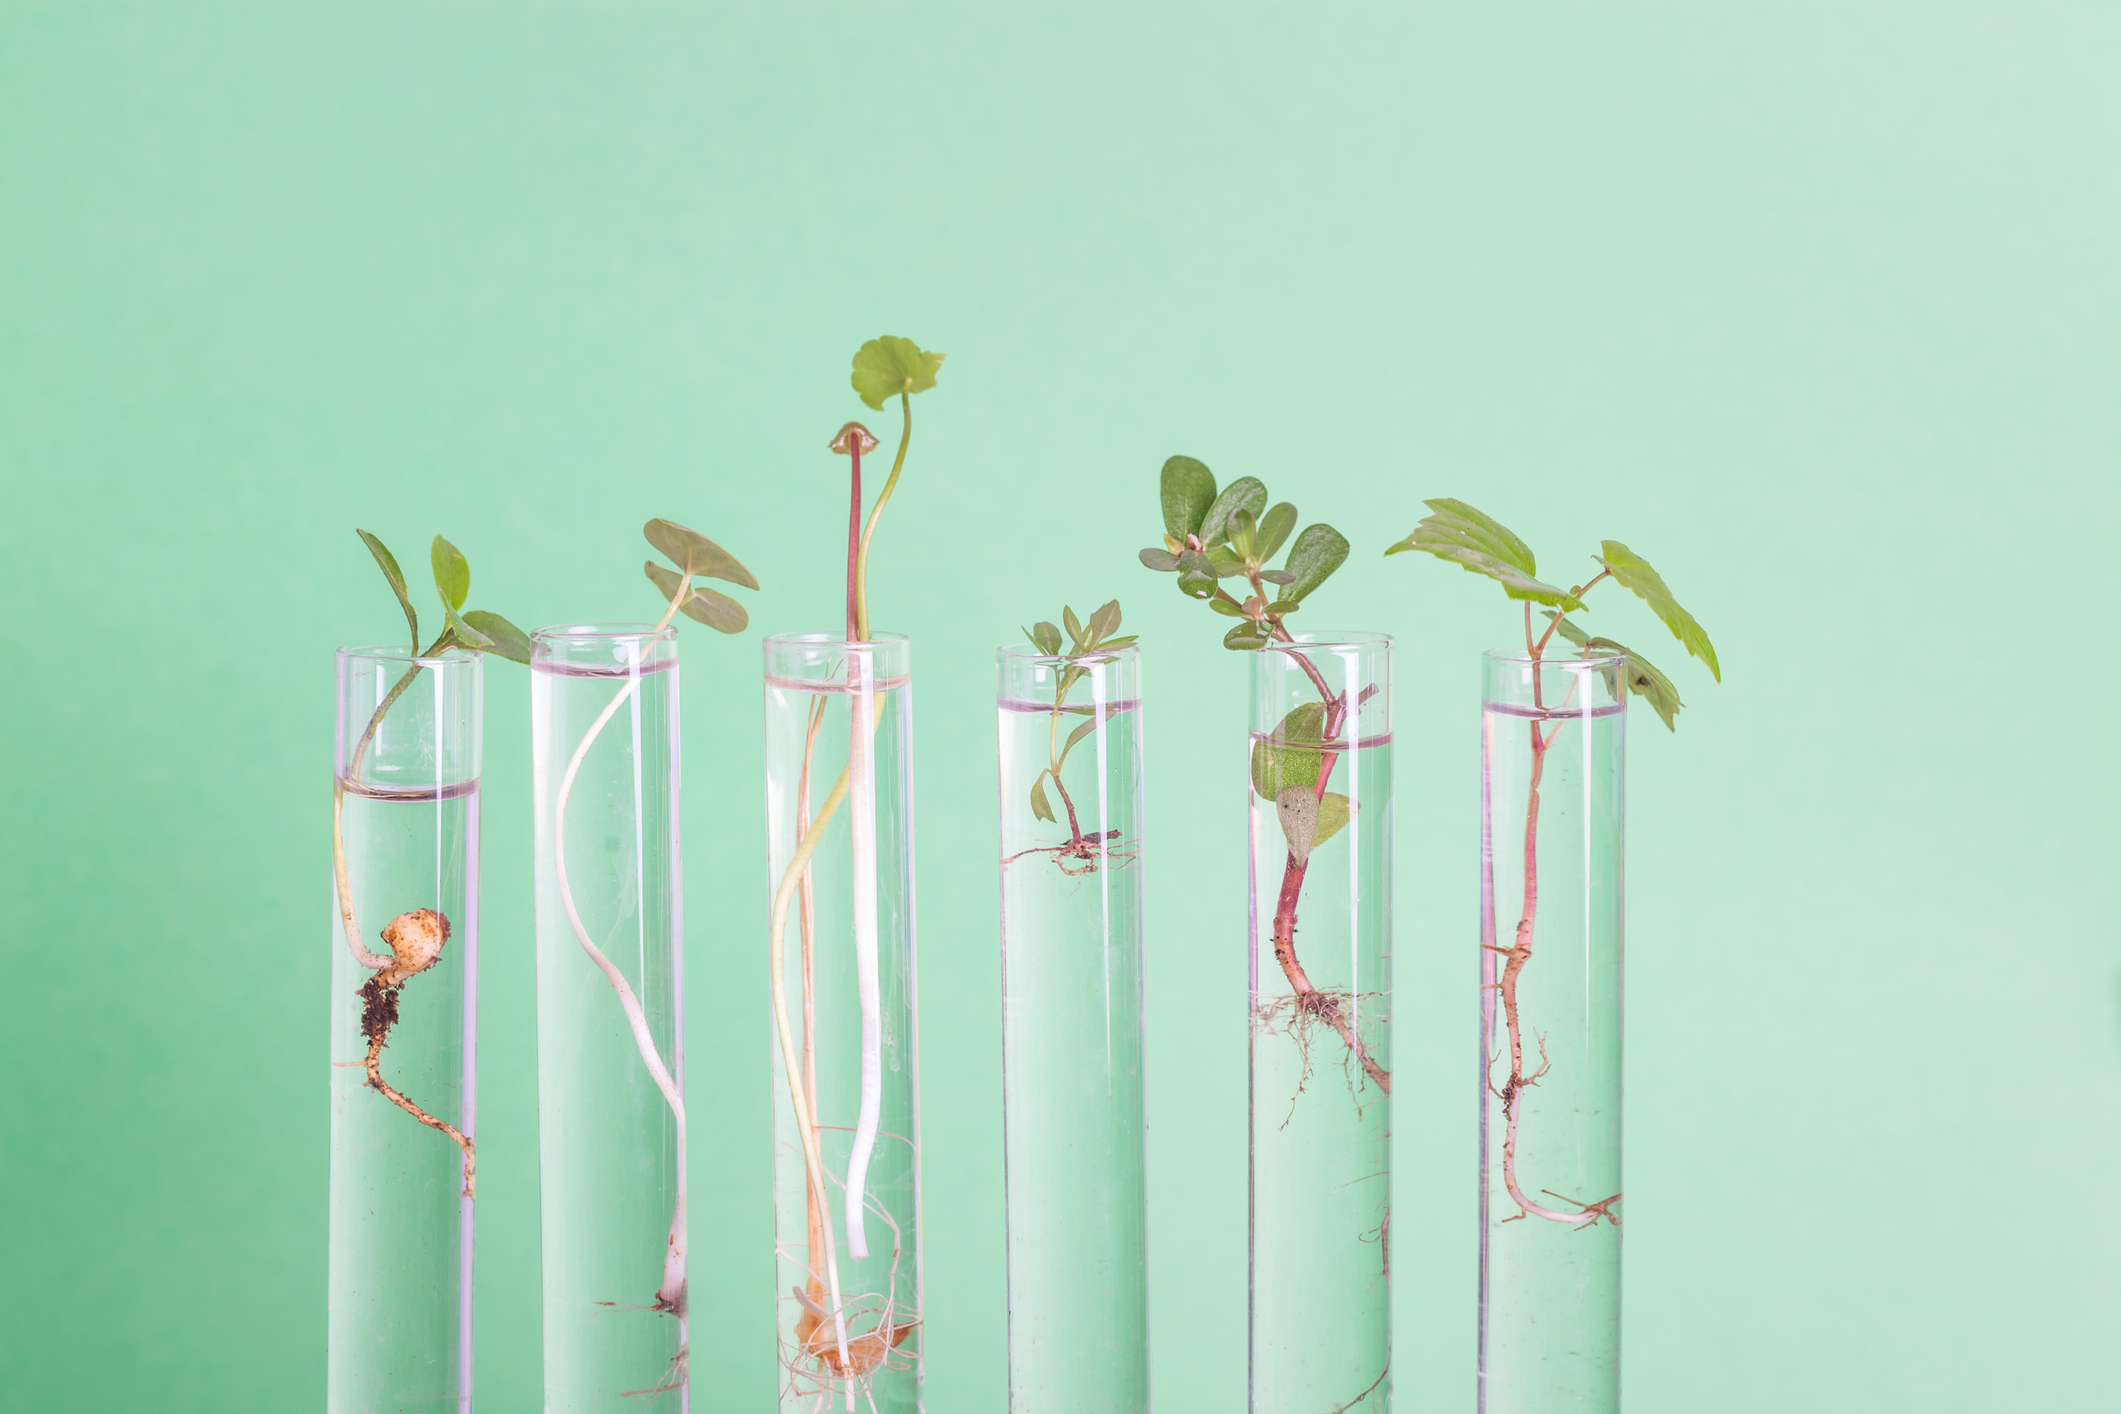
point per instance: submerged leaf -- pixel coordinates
(1039, 807)
(1333, 816)
(452, 573)
(695, 554)
(1187, 489)
(388, 563)
(1246, 493)
(889, 366)
(1292, 754)
(1318, 551)
(504, 639)
(1480, 544)
(1298, 809)
(1635, 573)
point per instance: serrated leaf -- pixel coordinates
(693, 552)
(1246, 637)
(716, 610)
(1319, 550)
(1104, 620)
(388, 563)
(1039, 807)
(1048, 638)
(1480, 544)
(504, 639)
(1634, 572)
(1163, 561)
(1196, 576)
(452, 573)
(1187, 488)
(1245, 493)
(1292, 753)
(1274, 528)
(1646, 682)
(1226, 608)
(889, 366)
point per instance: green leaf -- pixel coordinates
(693, 552)
(1319, 550)
(1111, 643)
(1083, 730)
(1642, 676)
(1283, 606)
(504, 639)
(1480, 544)
(1074, 626)
(1244, 529)
(1278, 576)
(1196, 577)
(1226, 609)
(1039, 807)
(1246, 637)
(388, 563)
(1245, 493)
(1160, 560)
(716, 610)
(1047, 637)
(1569, 630)
(1104, 621)
(1188, 489)
(887, 367)
(1292, 754)
(1228, 564)
(1274, 528)
(464, 634)
(1635, 573)
(1333, 816)
(452, 573)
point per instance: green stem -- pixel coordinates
(861, 564)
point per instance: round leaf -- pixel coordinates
(695, 554)
(1246, 493)
(889, 366)
(1187, 489)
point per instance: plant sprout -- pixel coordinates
(1080, 853)
(1211, 537)
(1480, 544)
(883, 368)
(414, 939)
(695, 557)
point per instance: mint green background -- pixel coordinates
(1814, 304)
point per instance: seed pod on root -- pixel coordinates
(415, 940)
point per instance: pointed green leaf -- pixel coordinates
(691, 551)
(1319, 550)
(1642, 676)
(1104, 621)
(1039, 807)
(1196, 576)
(1480, 544)
(504, 639)
(463, 634)
(1074, 626)
(887, 367)
(1246, 637)
(1274, 528)
(1635, 573)
(1111, 643)
(1244, 531)
(716, 610)
(1332, 816)
(1245, 493)
(388, 563)
(1188, 489)
(1161, 560)
(1292, 754)
(1048, 638)
(452, 573)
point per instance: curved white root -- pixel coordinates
(670, 1296)
(861, 775)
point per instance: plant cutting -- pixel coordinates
(1087, 644)
(1479, 544)
(688, 559)
(414, 938)
(843, 1341)
(1210, 537)
(1319, 783)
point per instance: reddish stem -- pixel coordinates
(854, 528)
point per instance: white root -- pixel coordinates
(861, 778)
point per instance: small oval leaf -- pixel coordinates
(1246, 493)
(1163, 561)
(452, 573)
(1187, 489)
